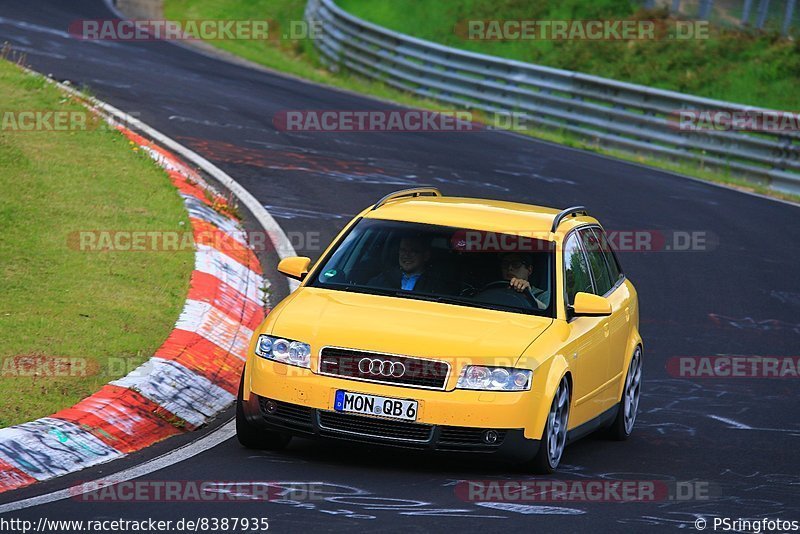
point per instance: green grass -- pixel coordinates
(61, 302)
(777, 70)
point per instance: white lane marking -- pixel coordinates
(734, 424)
(530, 509)
(223, 433)
(741, 426)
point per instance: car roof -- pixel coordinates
(474, 213)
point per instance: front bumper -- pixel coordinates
(447, 420)
(304, 421)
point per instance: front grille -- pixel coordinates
(291, 416)
(456, 437)
(355, 364)
(374, 427)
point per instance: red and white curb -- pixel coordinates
(192, 376)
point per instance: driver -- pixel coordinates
(517, 269)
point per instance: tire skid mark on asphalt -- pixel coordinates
(191, 377)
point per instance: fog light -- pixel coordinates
(270, 406)
(490, 437)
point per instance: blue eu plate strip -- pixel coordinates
(338, 403)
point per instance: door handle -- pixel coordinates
(605, 329)
(627, 313)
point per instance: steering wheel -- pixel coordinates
(500, 285)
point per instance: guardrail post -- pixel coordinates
(763, 9)
(787, 17)
(748, 6)
(705, 9)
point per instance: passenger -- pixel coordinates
(413, 272)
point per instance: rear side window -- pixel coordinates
(597, 262)
(576, 270)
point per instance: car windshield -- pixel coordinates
(443, 264)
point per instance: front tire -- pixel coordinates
(252, 437)
(554, 438)
(622, 427)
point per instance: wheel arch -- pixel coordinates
(557, 369)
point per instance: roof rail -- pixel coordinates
(574, 211)
(413, 192)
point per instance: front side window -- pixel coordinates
(597, 262)
(576, 270)
(444, 264)
(614, 269)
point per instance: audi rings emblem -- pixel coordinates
(384, 368)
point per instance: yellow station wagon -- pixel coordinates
(453, 324)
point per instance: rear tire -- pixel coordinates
(622, 427)
(554, 437)
(252, 437)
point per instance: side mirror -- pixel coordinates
(588, 305)
(295, 267)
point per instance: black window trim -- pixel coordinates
(618, 283)
(613, 255)
(334, 246)
(567, 305)
(621, 278)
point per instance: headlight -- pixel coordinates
(284, 350)
(494, 378)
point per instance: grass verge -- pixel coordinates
(72, 320)
(299, 58)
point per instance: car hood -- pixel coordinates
(395, 325)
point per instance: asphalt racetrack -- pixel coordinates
(738, 293)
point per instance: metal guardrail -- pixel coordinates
(608, 113)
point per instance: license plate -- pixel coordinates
(373, 405)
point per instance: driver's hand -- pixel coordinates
(519, 284)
